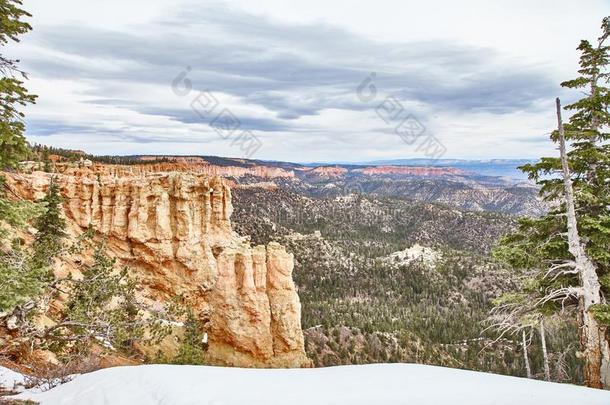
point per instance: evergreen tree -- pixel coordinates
(101, 309)
(51, 227)
(24, 272)
(578, 189)
(20, 281)
(13, 95)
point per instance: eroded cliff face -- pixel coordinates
(173, 230)
(187, 166)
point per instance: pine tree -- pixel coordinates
(20, 282)
(570, 246)
(25, 272)
(101, 309)
(13, 95)
(50, 227)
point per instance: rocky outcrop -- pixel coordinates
(192, 167)
(326, 172)
(257, 311)
(173, 230)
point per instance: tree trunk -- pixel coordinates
(592, 337)
(545, 355)
(526, 359)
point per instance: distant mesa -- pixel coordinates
(411, 171)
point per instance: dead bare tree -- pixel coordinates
(596, 351)
(545, 355)
(511, 318)
(526, 360)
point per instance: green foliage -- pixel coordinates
(190, 350)
(11, 25)
(14, 213)
(189, 335)
(13, 145)
(13, 95)
(50, 228)
(601, 312)
(23, 275)
(101, 309)
(42, 152)
(605, 283)
(514, 298)
(19, 282)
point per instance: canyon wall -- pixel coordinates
(173, 230)
(193, 167)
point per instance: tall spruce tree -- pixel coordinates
(13, 95)
(51, 227)
(579, 188)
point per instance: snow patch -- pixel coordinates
(353, 385)
(11, 380)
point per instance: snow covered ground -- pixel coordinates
(371, 384)
(11, 380)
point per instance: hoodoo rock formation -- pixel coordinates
(173, 230)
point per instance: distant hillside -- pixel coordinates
(492, 167)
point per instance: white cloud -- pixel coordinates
(480, 75)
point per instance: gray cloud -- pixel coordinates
(188, 116)
(49, 127)
(292, 71)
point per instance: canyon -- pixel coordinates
(226, 234)
(173, 230)
(291, 265)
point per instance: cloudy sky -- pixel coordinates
(122, 77)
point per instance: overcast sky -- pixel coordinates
(479, 76)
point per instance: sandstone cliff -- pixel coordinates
(173, 230)
(189, 166)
